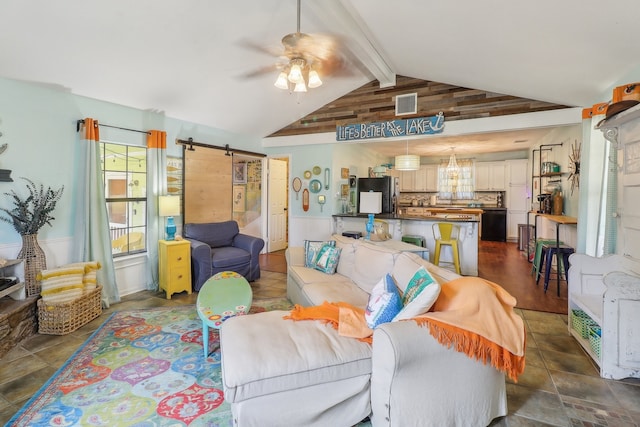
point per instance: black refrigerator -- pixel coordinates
(387, 185)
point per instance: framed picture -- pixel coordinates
(344, 191)
(239, 173)
(344, 173)
(239, 198)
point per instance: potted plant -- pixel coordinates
(28, 216)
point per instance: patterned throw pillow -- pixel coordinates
(421, 293)
(61, 285)
(327, 259)
(384, 302)
(90, 277)
(311, 248)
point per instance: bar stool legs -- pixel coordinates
(447, 234)
(562, 258)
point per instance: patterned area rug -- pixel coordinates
(141, 368)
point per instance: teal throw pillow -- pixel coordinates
(384, 302)
(311, 248)
(421, 293)
(327, 259)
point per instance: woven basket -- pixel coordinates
(61, 319)
(581, 322)
(595, 339)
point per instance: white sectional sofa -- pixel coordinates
(279, 372)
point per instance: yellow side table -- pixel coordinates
(174, 263)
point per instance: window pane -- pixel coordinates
(125, 183)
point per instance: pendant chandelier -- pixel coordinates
(407, 162)
(452, 167)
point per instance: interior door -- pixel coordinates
(277, 205)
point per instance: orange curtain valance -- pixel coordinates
(157, 139)
(91, 130)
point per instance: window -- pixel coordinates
(457, 183)
(124, 169)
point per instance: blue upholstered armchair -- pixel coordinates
(219, 246)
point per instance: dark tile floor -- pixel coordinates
(560, 385)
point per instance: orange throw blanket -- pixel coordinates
(472, 315)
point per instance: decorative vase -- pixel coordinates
(34, 262)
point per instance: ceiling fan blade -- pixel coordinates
(270, 50)
(267, 69)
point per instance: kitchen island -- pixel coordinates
(408, 224)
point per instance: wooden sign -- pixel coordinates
(391, 128)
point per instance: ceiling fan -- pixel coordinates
(305, 59)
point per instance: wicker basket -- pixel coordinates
(595, 339)
(61, 319)
(581, 322)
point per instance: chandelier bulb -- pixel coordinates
(281, 82)
(300, 87)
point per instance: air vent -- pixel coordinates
(406, 104)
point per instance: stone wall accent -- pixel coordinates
(18, 321)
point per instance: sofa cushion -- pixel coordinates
(326, 259)
(264, 354)
(347, 255)
(311, 249)
(371, 263)
(384, 303)
(421, 293)
(336, 291)
(229, 256)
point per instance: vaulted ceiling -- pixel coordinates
(212, 62)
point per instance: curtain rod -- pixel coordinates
(229, 151)
(81, 121)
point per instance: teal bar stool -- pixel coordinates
(537, 260)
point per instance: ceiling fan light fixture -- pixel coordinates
(314, 79)
(300, 87)
(295, 73)
(281, 82)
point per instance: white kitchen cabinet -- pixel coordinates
(516, 195)
(607, 290)
(406, 181)
(517, 171)
(431, 172)
(420, 180)
(490, 176)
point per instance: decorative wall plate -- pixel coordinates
(307, 175)
(317, 170)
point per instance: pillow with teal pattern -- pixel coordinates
(421, 293)
(327, 259)
(384, 302)
(311, 248)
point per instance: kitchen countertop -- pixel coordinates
(438, 217)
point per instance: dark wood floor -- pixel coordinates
(498, 262)
(504, 264)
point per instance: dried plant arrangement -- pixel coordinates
(30, 214)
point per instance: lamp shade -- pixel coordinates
(407, 162)
(370, 202)
(169, 205)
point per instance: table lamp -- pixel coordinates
(370, 203)
(169, 206)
